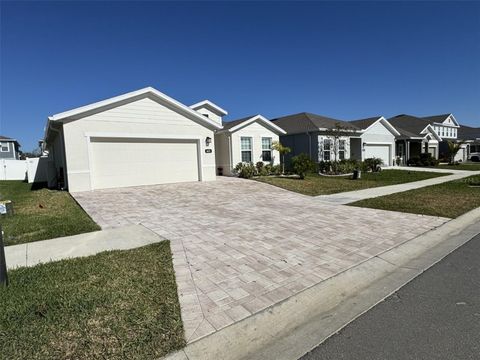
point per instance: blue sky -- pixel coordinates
(339, 59)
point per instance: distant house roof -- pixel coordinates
(6, 138)
(365, 123)
(468, 133)
(440, 119)
(308, 122)
(408, 125)
(234, 125)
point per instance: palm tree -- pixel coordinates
(283, 150)
(453, 149)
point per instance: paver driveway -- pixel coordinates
(240, 246)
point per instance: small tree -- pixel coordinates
(282, 150)
(453, 149)
(302, 164)
(336, 134)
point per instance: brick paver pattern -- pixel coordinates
(240, 246)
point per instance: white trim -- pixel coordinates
(260, 118)
(8, 147)
(145, 91)
(432, 130)
(142, 136)
(80, 172)
(210, 104)
(386, 124)
(251, 148)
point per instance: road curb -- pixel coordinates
(291, 328)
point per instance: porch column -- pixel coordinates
(407, 150)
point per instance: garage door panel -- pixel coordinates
(378, 151)
(134, 162)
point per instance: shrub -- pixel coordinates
(302, 164)
(261, 169)
(245, 170)
(276, 169)
(425, 159)
(473, 181)
(373, 164)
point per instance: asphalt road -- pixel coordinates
(436, 316)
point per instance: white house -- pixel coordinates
(246, 140)
(376, 140)
(140, 138)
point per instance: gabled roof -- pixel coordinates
(438, 119)
(232, 126)
(468, 133)
(210, 105)
(308, 122)
(365, 124)
(9, 139)
(132, 96)
(408, 125)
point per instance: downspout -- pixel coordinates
(230, 153)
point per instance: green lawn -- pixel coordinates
(450, 199)
(321, 185)
(464, 166)
(114, 305)
(41, 214)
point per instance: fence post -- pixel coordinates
(3, 263)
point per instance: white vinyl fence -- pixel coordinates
(37, 169)
(13, 169)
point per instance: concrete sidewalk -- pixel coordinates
(352, 196)
(124, 238)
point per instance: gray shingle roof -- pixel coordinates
(308, 122)
(9, 139)
(408, 125)
(229, 124)
(468, 133)
(436, 118)
(364, 123)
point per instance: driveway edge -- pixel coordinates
(291, 328)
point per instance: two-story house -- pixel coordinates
(9, 148)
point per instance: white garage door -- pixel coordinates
(122, 162)
(378, 151)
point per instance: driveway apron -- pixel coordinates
(240, 246)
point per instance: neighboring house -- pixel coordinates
(140, 138)
(311, 134)
(327, 139)
(447, 128)
(246, 140)
(471, 137)
(417, 136)
(9, 148)
(376, 140)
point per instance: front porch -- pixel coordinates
(406, 149)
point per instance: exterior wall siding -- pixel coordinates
(11, 154)
(144, 117)
(256, 131)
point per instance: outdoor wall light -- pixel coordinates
(208, 141)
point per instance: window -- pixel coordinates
(246, 146)
(341, 149)
(4, 147)
(267, 149)
(327, 144)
